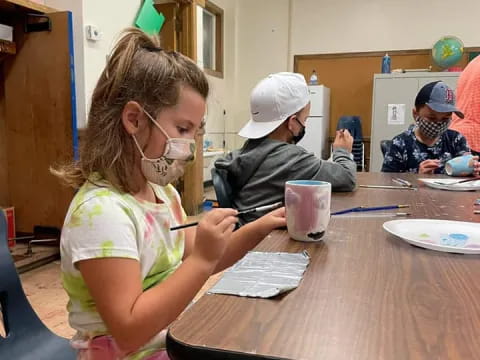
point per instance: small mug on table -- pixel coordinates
(460, 166)
(307, 206)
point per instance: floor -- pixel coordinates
(29, 257)
(45, 292)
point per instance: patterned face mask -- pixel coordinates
(432, 129)
(170, 166)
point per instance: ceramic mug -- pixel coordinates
(307, 206)
(460, 166)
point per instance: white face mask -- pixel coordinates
(171, 165)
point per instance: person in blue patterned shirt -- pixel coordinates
(428, 144)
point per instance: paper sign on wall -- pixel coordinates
(149, 19)
(396, 114)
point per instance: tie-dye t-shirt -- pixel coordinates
(103, 222)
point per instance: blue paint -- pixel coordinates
(207, 205)
(307, 182)
(455, 239)
(459, 236)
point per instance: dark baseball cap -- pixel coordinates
(439, 97)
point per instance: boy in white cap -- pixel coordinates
(280, 106)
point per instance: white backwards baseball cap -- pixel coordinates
(273, 100)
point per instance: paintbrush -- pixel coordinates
(365, 209)
(402, 182)
(372, 215)
(387, 187)
(241, 212)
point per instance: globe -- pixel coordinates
(447, 51)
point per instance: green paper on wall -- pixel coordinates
(149, 19)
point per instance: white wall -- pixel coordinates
(256, 37)
(221, 95)
(328, 26)
(255, 44)
(219, 127)
(111, 17)
(270, 32)
(261, 37)
(76, 7)
(261, 49)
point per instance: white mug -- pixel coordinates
(307, 206)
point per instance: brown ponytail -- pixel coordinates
(136, 70)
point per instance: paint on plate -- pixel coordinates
(454, 239)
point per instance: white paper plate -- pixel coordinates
(468, 186)
(441, 235)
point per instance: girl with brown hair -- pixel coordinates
(127, 275)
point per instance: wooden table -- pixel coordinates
(365, 295)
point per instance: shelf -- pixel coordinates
(24, 6)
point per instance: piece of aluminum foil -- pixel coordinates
(263, 274)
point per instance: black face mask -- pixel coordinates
(296, 138)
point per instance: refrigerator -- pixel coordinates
(317, 129)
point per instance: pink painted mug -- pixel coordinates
(307, 205)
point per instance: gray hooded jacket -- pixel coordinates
(257, 172)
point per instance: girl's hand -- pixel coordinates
(213, 233)
(273, 220)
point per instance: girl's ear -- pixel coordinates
(133, 118)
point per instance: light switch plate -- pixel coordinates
(93, 33)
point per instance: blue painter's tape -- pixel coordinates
(73, 93)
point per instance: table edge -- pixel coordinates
(178, 350)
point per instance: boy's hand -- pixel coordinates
(476, 166)
(428, 166)
(343, 140)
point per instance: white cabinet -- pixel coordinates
(400, 89)
(209, 158)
